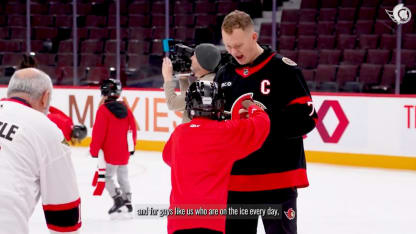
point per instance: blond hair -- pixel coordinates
(236, 19)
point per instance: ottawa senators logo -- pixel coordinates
(290, 214)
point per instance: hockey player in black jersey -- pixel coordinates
(272, 174)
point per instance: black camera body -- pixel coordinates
(179, 54)
(181, 58)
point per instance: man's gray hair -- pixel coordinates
(31, 81)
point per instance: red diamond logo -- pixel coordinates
(342, 124)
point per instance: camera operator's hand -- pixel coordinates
(167, 69)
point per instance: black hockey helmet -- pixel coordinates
(110, 88)
(204, 99)
(79, 132)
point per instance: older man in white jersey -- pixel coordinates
(34, 159)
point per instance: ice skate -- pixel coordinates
(118, 203)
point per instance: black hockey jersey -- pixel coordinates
(277, 83)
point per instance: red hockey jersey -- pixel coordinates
(113, 120)
(201, 154)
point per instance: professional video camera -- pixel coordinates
(179, 54)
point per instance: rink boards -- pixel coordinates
(361, 130)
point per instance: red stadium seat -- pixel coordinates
(305, 28)
(204, 20)
(370, 74)
(308, 15)
(65, 59)
(204, 7)
(329, 4)
(12, 59)
(63, 21)
(292, 54)
(45, 59)
(378, 56)
(346, 41)
(10, 46)
(388, 76)
(287, 42)
(110, 60)
(384, 27)
(409, 41)
(95, 21)
(266, 29)
(306, 42)
(98, 33)
(309, 4)
(366, 13)
(184, 33)
(346, 73)
(138, 47)
(308, 74)
(325, 42)
(350, 3)
(388, 41)
(329, 56)
(158, 20)
(225, 7)
(16, 20)
(364, 27)
(90, 60)
(408, 58)
(92, 46)
(158, 7)
(4, 33)
(124, 33)
(123, 21)
(140, 33)
(66, 46)
(344, 27)
(96, 75)
(287, 29)
(368, 41)
(111, 46)
(327, 14)
(308, 58)
(15, 8)
(141, 7)
(325, 73)
(183, 8)
(353, 56)
(58, 8)
(290, 15)
(346, 14)
(18, 32)
(139, 20)
(184, 20)
(43, 33)
(370, 3)
(41, 20)
(135, 61)
(325, 27)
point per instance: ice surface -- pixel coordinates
(339, 200)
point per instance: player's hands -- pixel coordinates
(167, 69)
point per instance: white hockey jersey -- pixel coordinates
(35, 162)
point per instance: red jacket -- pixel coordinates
(201, 154)
(62, 121)
(109, 133)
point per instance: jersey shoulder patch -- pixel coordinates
(288, 61)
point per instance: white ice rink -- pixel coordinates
(339, 200)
